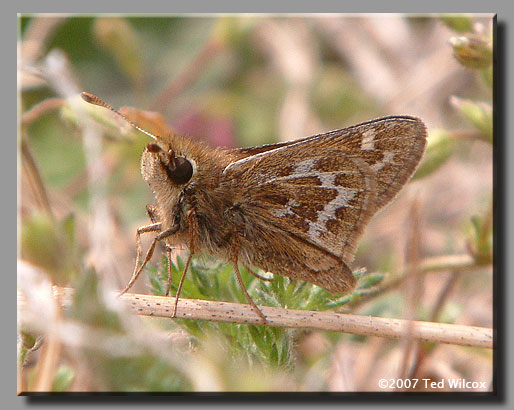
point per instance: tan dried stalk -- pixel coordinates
(159, 306)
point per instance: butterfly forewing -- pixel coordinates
(392, 147)
(325, 188)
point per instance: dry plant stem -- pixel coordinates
(34, 178)
(457, 263)
(47, 365)
(50, 356)
(38, 32)
(443, 296)
(414, 284)
(38, 110)
(422, 352)
(193, 309)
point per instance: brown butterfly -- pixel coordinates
(295, 209)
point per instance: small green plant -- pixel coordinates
(216, 281)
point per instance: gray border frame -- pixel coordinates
(504, 151)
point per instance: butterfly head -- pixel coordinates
(161, 163)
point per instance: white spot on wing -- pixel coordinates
(368, 140)
(286, 210)
(327, 180)
(388, 159)
(343, 198)
(302, 169)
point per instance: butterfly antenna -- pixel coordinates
(93, 99)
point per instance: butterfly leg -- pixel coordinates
(152, 213)
(168, 256)
(179, 289)
(155, 227)
(158, 237)
(192, 229)
(248, 298)
(257, 275)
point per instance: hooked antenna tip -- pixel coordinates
(93, 99)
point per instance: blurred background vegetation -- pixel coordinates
(241, 81)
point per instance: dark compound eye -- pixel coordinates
(180, 170)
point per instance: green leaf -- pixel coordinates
(457, 22)
(472, 51)
(63, 379)
(487, 75)
(439, 149)
(44, 243)
(89, 308)
(477, 113)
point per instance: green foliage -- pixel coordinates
(89, 308)
(439, 150)
(142, 372)
(49, 244)
(63, 379)
(268, 345)
(479, 114)
(217, 282)
(52, 142)
(480, 239)
(337, 97)
(458, 22)
(472, 51)
(26, 342)
(120, 40)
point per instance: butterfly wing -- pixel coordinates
(240, 153)
(311, 199)
(391, 146)
(324, 197)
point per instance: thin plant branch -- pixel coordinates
(446, 291)
(34, 179)
(38, 110)
(422, 351)
(414, 286)
(193, 309)
(445, 263)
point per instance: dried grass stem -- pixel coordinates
(159, 306)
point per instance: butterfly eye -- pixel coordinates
(180, 170)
